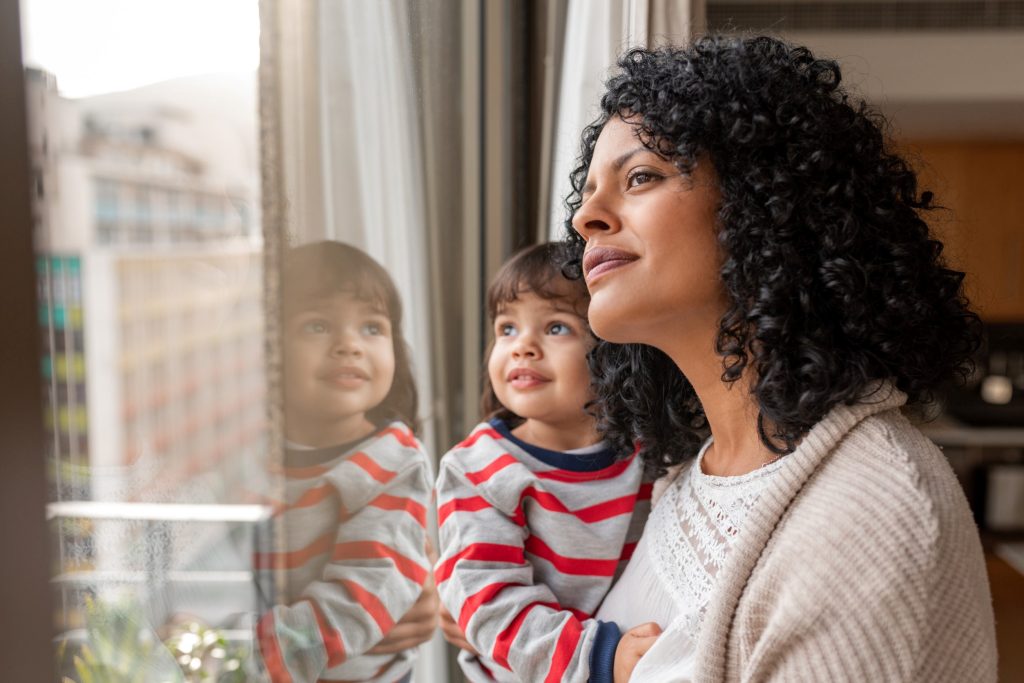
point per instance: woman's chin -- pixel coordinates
(611, 323)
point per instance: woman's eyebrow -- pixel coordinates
(617, 165)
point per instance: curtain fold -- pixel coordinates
(372, 159)
(344, 118)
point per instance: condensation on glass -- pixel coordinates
(150, 281)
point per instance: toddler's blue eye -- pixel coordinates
(506, 330)
(559, 329)
(373, 329)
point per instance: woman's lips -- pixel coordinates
(601, 260)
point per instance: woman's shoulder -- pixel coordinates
(885, 453)
(880, 540)
(884, 482)
(660, 485)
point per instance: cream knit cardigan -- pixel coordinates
(860, 562)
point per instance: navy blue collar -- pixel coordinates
(574, 462)
(311, 457)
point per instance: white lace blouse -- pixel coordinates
(672, 572)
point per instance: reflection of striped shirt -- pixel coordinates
(530, 542)
(354, 557)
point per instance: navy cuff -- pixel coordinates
(602, 653)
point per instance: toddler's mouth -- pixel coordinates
(347, 375)
(524, 378)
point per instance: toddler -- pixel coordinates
(537, 516)
(356, 479)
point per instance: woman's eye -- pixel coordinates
(506, 330)
(641, 178)
(559, 329)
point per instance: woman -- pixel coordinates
(770, 299)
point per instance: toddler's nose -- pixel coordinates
(525, 347)
(346, 345)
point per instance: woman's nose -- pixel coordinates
(593, 217)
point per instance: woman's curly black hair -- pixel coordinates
(834, 279)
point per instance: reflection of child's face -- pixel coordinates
(339, 364)
(538, 365)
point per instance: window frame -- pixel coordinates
(26, 628)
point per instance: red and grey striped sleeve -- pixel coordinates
(364, 571)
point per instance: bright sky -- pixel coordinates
(97, 46)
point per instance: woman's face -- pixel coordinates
(652, 259)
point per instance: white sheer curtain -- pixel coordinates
(352, 153)
(596, 33)
(373, 176)
(372, 160)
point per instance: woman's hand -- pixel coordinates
(634, 643)
(453, 634)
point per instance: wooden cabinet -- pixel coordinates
(980, 184)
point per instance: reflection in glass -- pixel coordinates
(357, 482)
(364, 103)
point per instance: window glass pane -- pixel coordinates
(177, 422)
(152, 326)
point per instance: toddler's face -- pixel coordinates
(538, 365)
(339, 363)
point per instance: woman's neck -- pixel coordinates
(730, 409)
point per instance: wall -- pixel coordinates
(980, 185)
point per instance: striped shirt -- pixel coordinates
(530, 542)
(354, 557)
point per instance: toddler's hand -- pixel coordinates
(415, 627)
(453, 634)
(634, 643)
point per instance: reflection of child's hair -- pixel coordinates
(322, 269)
(538, 270)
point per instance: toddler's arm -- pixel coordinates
(486, 583)
(377, 567)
